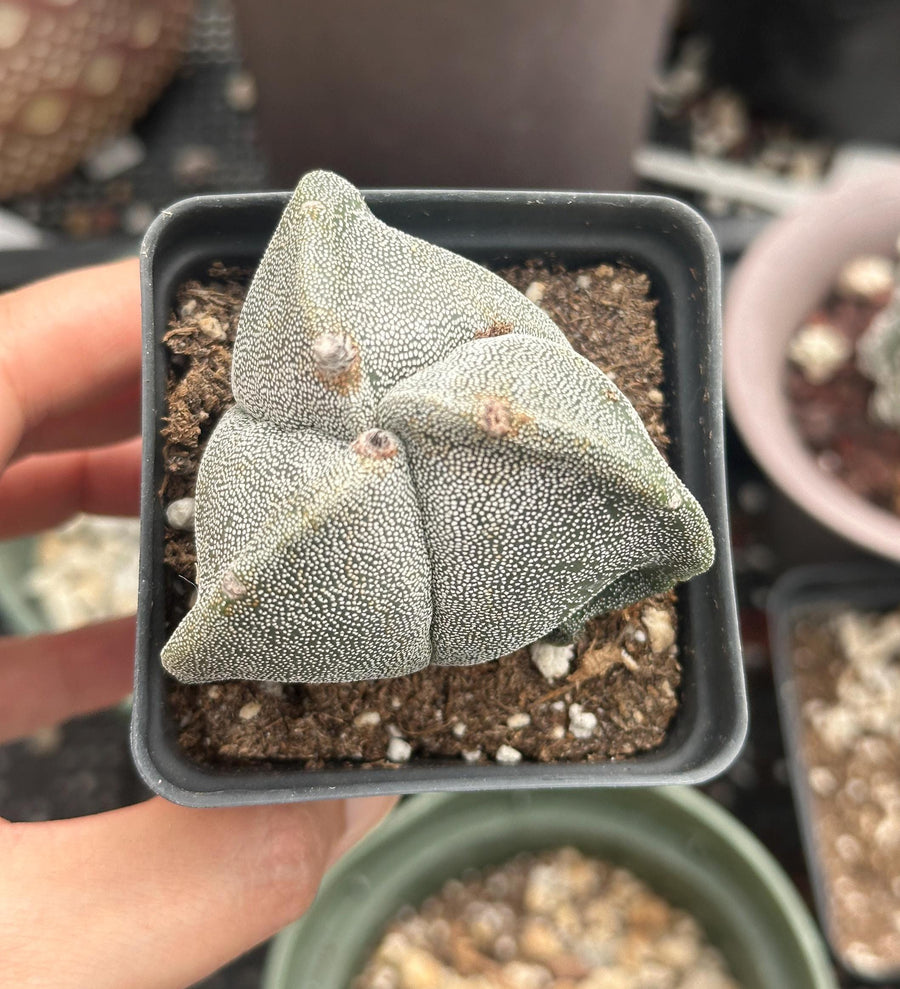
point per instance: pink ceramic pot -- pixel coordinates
(782, 277)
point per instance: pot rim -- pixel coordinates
(709, 817)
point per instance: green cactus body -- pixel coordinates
(878, 357)
(419, 469)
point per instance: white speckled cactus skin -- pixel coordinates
(419, 469)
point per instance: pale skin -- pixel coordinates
(153, 896)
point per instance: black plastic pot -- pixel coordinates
(660, 236)
(865, 587)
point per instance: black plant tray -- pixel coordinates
(862, 586)
(660, 236)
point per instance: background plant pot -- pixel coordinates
(864, 586)
(785, 274)
(683, 845)
(513, 93)
(660, 236)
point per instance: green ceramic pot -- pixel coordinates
(681, 843)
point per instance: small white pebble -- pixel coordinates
(557, 732)
(394, 731)
(367, 719)
(870, 277)
(518, 720)
(399, 750)
(558, 706)
(822, 781)
(214, 692)
(819, 350)
(583, 281)
(249, 711)
(552, 661)
(459, 729)
(628, 661)
(848, 848)
(471, 755)
(655, 396)
(508, 756)
(535, 292)
(180, 514)
(581, 723)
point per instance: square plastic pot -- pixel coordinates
(662, 237)
(870, 587)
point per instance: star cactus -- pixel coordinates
(419, 469)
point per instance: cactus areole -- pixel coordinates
(418, 469)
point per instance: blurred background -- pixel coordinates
(112, 109)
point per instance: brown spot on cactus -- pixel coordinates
(312, 209)
(498, 328)
(375, 444)
(382, 530)
(497, 418)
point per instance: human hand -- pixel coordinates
(155, 895)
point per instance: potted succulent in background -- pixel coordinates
(355, 418)
(781, 284)
(835, 639)
(670, 853)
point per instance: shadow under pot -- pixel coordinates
(704, 902)
(240, 742)
(835, 635)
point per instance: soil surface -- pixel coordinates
(848, 687)
(622, 691)
(557, 920)
(833, 416)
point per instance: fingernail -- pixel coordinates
(361, 814)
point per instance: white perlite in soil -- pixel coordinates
(558, 920)
(86, 571)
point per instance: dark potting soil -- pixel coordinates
(848, 690)
(626, 671)
(833, 417)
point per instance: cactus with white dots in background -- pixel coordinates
(419, 469)
(878, 357)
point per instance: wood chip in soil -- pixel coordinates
(442, 713)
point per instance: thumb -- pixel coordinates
(156, 896)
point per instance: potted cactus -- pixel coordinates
(781, 282)
(418, 470)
